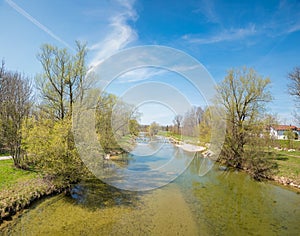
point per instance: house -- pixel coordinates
(279, 131)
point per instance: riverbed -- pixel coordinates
(222, 202)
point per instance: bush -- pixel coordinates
(50, 148)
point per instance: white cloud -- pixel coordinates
(120, 35)
(140, 74)
(232, 34)
(207, 8)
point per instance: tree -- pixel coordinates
(243, 95)
(15, 104)
(294, 85)
(134, 127)
(153, 129)
(51, 149)
(205, 126)
(104, 127)
(294, 89)
(177, 122)
(62, 81)
(191, 121)
(115, 122)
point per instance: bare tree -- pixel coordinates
(177, 122)
(294, 90)
(191, 121)
(15, 103)
(294, 85)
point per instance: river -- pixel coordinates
(218, 203)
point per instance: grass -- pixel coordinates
(289, 144)
(4, 154)
(288, 166)
(9, 175)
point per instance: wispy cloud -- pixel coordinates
(207, 9)
(232, 34)
(120, 35)
(36, 22)
(140, 75)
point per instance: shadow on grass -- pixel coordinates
(279, 157)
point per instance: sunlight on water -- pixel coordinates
(219, 203)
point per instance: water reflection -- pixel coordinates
(231, 203)
(218, 203)
(93, 193)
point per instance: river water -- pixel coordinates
(218, 203)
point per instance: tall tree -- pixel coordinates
(205, 126)
(62, 81)
(15, 103)
(191, 121)
(243, 94)
(177, 122)
(153, 129)
(294, 90)
(294, 85)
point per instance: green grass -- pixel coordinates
(288, 166)
(10, 175)
(294, 144)
(4, 154)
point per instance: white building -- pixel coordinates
(279, 131)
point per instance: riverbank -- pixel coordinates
(191, 148)
(23, 194)
(20, 188)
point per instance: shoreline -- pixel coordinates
(191, 147)
(18, 197)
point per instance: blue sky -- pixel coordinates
(220, 34)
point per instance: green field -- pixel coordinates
(288, 165)
(287, 144)
(10, 175)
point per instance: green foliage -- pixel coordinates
(115, 123)
(50, 148)
(205, 126)
(104, 127)
(243, 94)
(133, 127)
(153, 129)
(63, 80)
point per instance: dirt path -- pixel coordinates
(5, 158)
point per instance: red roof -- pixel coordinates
(285, 127)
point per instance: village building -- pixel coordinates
(281, 131)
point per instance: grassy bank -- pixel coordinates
(11, 175)
(19, 188)
(288, 167)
